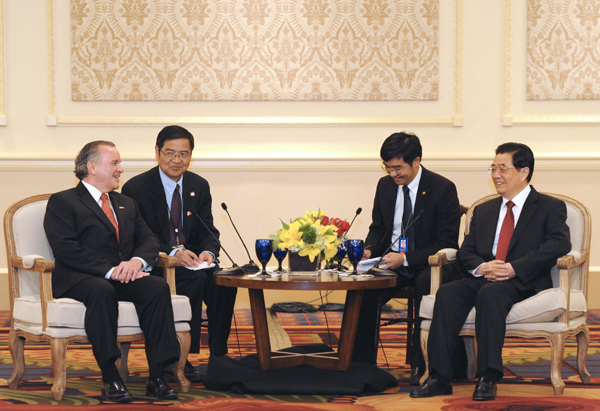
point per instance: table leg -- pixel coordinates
(261, 329)
(348, 331)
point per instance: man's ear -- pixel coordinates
(156, 151)
(91, 166)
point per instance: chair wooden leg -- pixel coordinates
(424, 337)
(122, 361)
(16, 347)
(58, 351)
(471, 348)
(583, 341)
(185, 340)
(557, 345)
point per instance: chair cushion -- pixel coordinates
(545, 306)
(69, 313)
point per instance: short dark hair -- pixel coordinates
(401, 145)
(89, 152)
(173, 133)
(522, 156)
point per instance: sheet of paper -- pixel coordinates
(202, 266)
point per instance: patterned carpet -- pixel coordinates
(526, 385)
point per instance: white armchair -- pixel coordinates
(37, 316)
(554, 314)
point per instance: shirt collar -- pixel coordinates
(520, 198)
(413, 186)
(168, 183)
(93, 191)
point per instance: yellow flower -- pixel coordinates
(291, 236)
(311, 215)
(310, 250)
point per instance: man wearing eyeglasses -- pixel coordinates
(513, 242)
(409, 190)
(169, 197)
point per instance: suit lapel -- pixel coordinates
(120, 212)
(526, 214)
(159, 202)
(390, 205)
(490, 229)
(423, 194)
(189, 201)
(87, 199)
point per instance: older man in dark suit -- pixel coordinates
(103, 248)
(513, 243)
(408, 191)
(171, 199)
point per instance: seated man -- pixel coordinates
(408, 190)
(171, 199)
(514, 241)
(102, 248)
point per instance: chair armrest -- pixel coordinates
(44, 268)
(168, 264)
(443, 257)
(571, 260)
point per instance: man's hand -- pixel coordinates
(393, 260)
(205, 257)
(186, 258)
(366, 255)
(496, 270)
(128, 271)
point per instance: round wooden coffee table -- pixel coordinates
(354, 287)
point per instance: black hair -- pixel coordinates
(405, 146)
(173, 133)
(522, 156)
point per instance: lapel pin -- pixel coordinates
(192, 194)
(424, 193)
(121, 208)
(189, 213)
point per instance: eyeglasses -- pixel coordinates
(172, 155)
(502, 169)
(394, 169)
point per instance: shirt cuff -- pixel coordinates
(475, 270)
(145, 266)
(107, 276)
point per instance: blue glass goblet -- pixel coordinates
(264, 251)
(340, 255)
(356, 248)
(280, 255)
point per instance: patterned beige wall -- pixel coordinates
(563, 50)
(254, 49)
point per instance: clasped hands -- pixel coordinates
(496, 270)
(128, 271)
(188, 258)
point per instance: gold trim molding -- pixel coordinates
(454, 120)
(508, 119)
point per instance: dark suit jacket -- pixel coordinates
(147, 190)
(84, 241)
(436, 229)
(540, 237)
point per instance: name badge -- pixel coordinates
(403, 245)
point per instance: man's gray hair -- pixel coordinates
(89, 152)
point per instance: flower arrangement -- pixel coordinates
(312, 235)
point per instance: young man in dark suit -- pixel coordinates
(514, 241)
(103, 249)
(171, 199)
(407, 190)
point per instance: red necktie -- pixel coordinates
(109, 212)
(506, 232)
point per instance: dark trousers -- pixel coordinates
(152, 301)
(365, 346)
(199, 286)
(453, 302)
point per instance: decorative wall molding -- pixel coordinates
(508, 118)
(2, 68)
(453, 120)
(243, 163)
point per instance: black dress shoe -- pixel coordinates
(431, 387)
(158, 387)
(115, 391)
(416, 373)
(485, 390)
(191, 373)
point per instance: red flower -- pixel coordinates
(342, 225)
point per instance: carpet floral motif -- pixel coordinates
(132, 50)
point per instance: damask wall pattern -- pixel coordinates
(254, 50)
(563, 50)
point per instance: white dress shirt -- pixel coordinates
(413, 186)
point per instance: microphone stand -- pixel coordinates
(251, 267)
(235, 270)
(375, 270)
